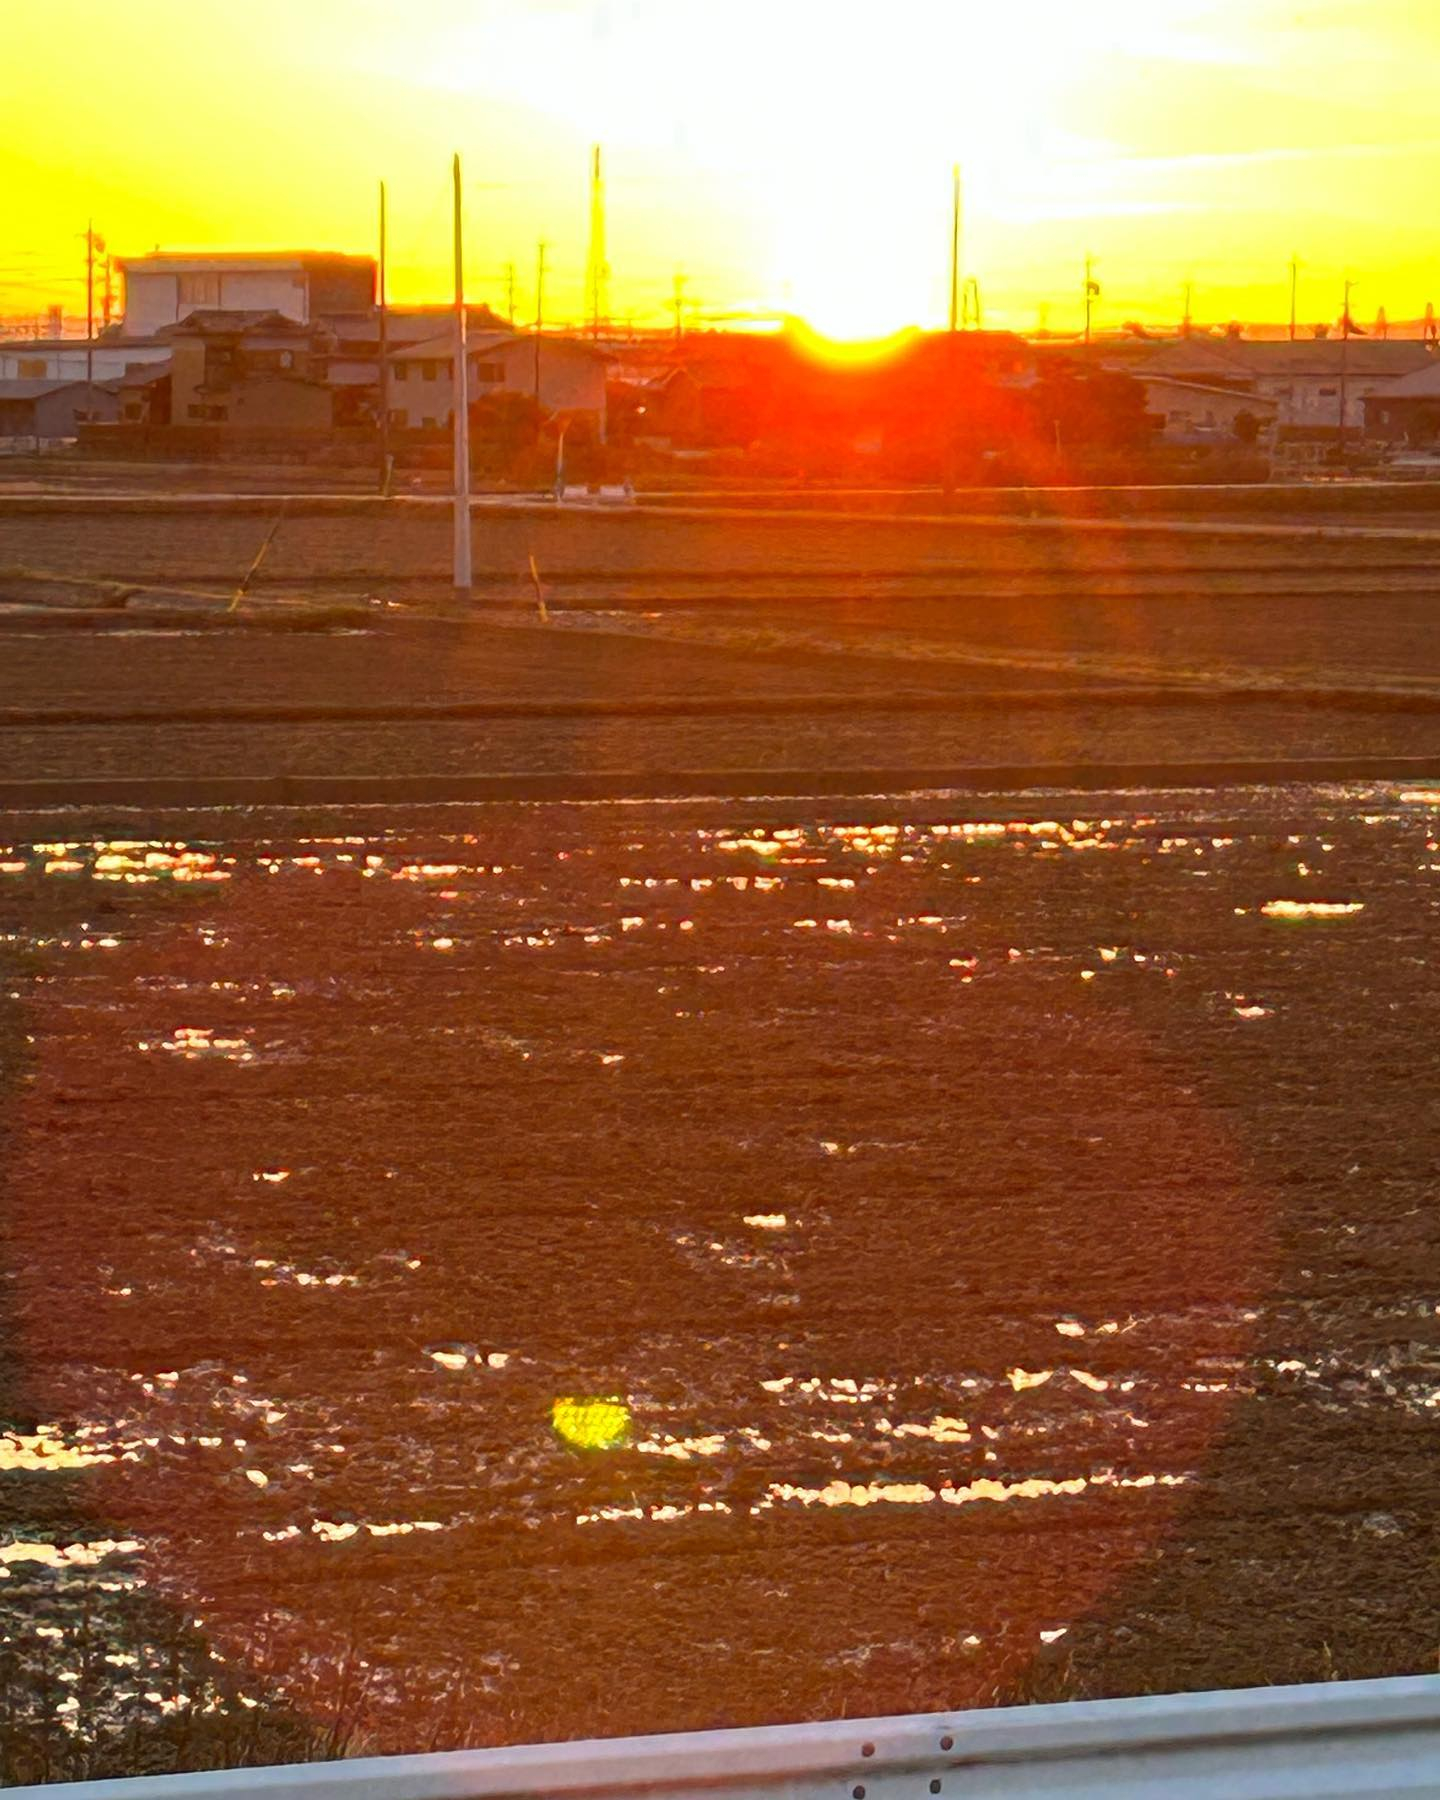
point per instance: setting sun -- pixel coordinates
(786, 160)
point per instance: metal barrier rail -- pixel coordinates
(1361, 1740)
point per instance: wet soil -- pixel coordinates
(977, 1252)
(995, 1252)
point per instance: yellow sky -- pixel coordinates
(786, 154)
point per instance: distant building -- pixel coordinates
(144, 394)
(305, 286)
(252, 371)
(1194, 412)
(1303, 378)
(46, 412)
(1408, 411)
(658, 406)
(67, 358)
(571, 377)
(416, 324)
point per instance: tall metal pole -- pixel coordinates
(1344, 359)
(384, 355)
(955, 249)
(597, 271)
(678, 303)
(90, 302)
(1294, 289)
(539, 311)
(461, 391)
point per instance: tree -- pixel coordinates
(1079, 405)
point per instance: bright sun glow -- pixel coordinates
(789, 159)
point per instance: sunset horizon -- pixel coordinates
(797, 166)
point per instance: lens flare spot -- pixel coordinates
(591, 1424)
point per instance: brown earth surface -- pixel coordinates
(1009, 1245)
(791, 747)
(1015, 1266)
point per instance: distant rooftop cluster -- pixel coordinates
(298, 344)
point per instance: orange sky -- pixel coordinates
(789, 156)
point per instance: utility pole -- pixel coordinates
(597, 272)
(1185, 326)
(383, 297)
(1092, 289)
(952, 345)
(461, 400)
(1294, 290)
(955, 248)
(90, 302)
(510, 293)
(678, 304)
(540, 250)
(1344, 359)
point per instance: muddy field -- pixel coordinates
(687, 646)
(536, 1270)
(698, 751)
(516, 1272)
(952, 605)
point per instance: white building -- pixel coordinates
(1194, 412)
(564, 374)
(65, 359)
(162, 290)
(1305, 379)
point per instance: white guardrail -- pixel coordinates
(1360, 1738)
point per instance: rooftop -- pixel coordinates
(36, 387)
(165, 262)
(1423, 384)
(217, 322)
(1247, 358)
(436, 348)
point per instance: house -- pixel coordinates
(144, 394)
(250, 370)
(563, 374)
(1408, 410)
(305, 286)
(656, 406)
(34, 412)
(1303, 377)
(1196, 412)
